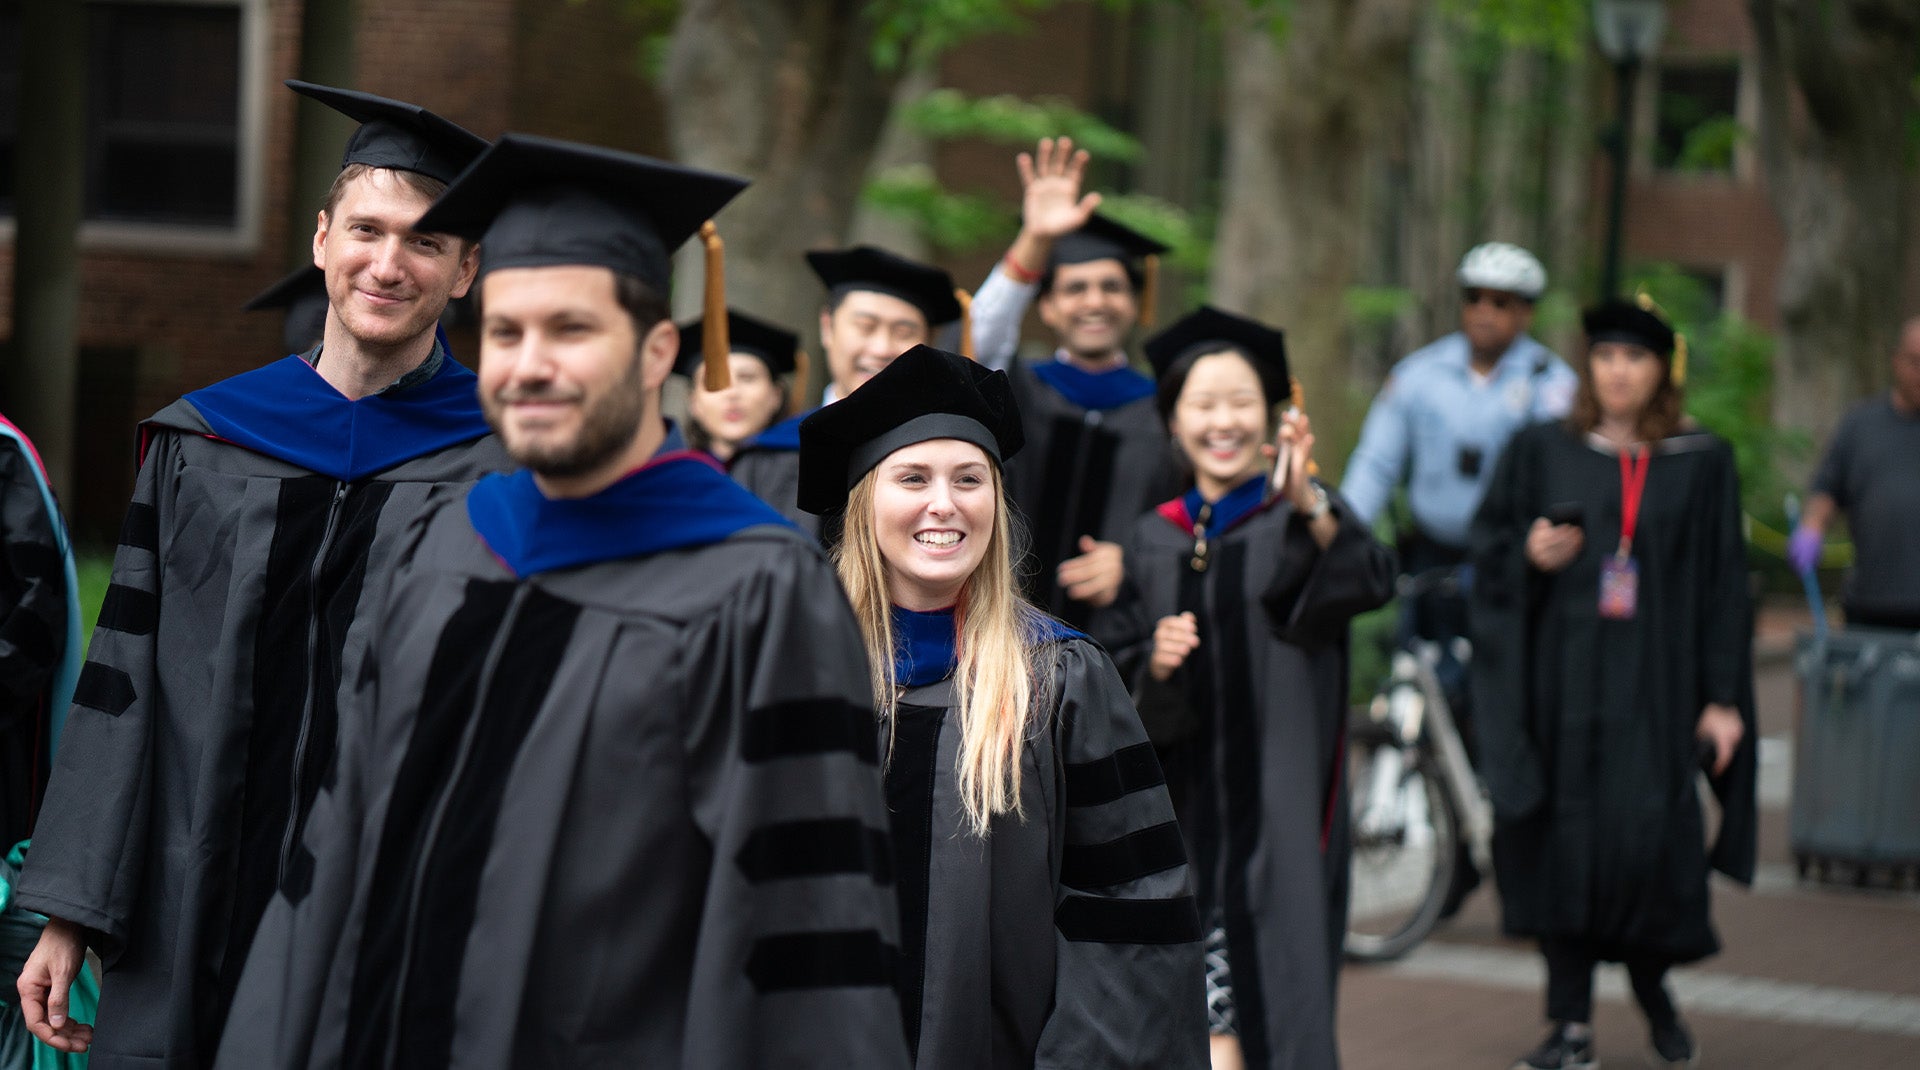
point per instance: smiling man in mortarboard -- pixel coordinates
(1098, 456)
(267, 505)
(879, 305)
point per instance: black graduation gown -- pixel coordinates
(617, 804)
(33, 636)
(1067, 938)
(1259, 778)
(769, 465)
(1586, 726)
(205, 716)
(1082, 472)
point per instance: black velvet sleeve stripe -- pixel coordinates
(847, 959)
(808, 727)
(104, 688)
(1138, 854)
(821, 848)
(1086, 919)
(130, 610)
(1123, 772)
(35, 558)
(141, 529)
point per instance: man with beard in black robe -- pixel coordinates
(617, 802)
(205, 717)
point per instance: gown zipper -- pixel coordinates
(303, 739)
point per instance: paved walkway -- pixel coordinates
(1814, 977)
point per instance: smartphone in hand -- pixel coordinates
(1573, 513)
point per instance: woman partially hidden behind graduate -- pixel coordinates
(1612, 662)
(1046, 916)
(762, 360)
(1232, 624)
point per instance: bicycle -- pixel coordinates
(1414, 796)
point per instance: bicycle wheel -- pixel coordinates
(1405, 835)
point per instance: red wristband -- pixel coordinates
(1017, 272)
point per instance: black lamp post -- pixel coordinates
(1629, 34)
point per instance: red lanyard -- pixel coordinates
(1633, 482)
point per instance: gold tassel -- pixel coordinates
(1149, 288)
(715, 345)
(1298, 399)
(966, 322)
(797, 390)
(1677, 370)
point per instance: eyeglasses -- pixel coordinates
(1499, 299)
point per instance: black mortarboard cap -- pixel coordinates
(864, 267)
(302, 294)
(745, 334)
(537, 202)
(1207, 329)
(396, 134)
(1101, 238)
(924, 394)
(1627, 321)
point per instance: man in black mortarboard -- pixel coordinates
(615, 797)
(204, 722)
(1097, 453)
(301, 295)
(879, 305)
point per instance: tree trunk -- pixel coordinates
(1439, 132)
(1837, 104)
(43, 369)
(786, 94)
(900, 146)
(1301, 114)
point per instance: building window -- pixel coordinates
(1697, 116)
(172, 132)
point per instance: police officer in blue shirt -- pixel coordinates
(1438, 427)
(1449, 408)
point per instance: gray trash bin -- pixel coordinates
(1856, 781)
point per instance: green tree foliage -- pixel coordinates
(915, 31)
(947, 114)
(951, 222)
(1557, 26)
(961, 221)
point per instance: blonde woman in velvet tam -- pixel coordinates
(1046, 915)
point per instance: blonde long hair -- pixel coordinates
(999, 672)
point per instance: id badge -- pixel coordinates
(1619, 587)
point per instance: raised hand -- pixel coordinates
(1052, 205)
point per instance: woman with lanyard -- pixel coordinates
(762, 359)
(1612, 663)
(1046, 916)
(1232, 625)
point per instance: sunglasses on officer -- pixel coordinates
(1499, 299)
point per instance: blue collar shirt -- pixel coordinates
(1434, 408)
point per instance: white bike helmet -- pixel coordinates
(1497, 265)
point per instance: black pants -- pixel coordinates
(1570, 963)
